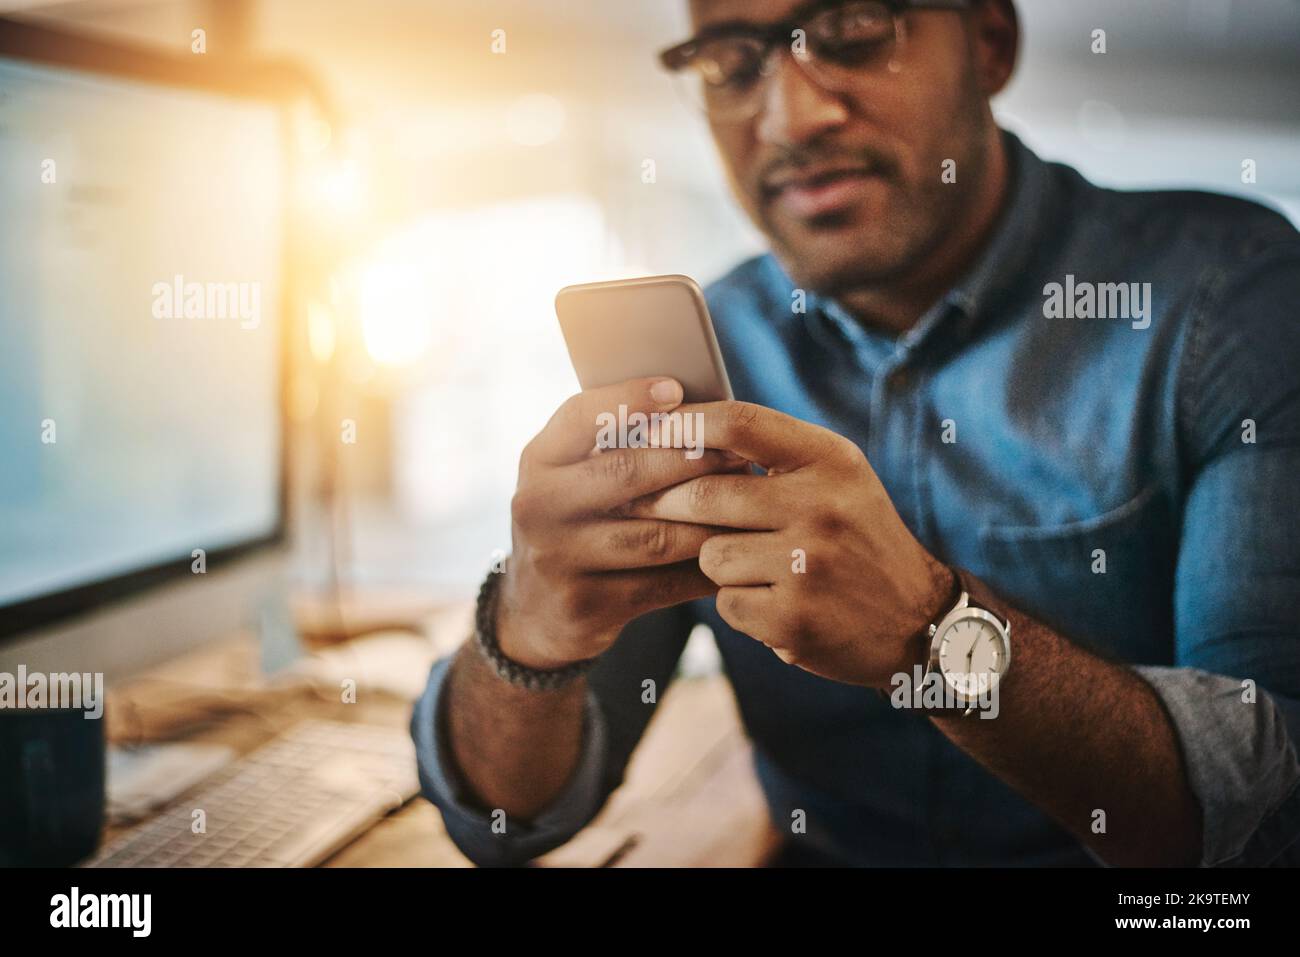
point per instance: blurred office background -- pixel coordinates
(462, 187)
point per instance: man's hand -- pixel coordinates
(579, 571)
(825, 572)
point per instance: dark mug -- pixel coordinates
(51, 786)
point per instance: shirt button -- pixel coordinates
(900, 379)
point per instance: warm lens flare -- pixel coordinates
(394, 304)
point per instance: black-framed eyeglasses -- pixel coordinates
(836, 42)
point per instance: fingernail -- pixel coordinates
(666, 392)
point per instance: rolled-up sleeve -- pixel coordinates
(1234, 693)
(616, 715)
(471, 826)
(1240, 761)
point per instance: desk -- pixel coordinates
(690, 797)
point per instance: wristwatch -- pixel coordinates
(970, 648)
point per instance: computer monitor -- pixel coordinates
(142, 301)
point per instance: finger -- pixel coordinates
(615, 477)
(770, 438)
(745, 558)
(636, 543)
(756, 502)
(571, 432)
(749, 609)
(646, 589)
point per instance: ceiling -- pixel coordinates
(1234, 27)
(1230, 58)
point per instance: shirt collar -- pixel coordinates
(1015, 239)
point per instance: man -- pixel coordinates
(967, 374)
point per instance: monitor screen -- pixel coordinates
(141, 241)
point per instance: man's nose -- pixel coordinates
(795, 109)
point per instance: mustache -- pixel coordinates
(791, 160)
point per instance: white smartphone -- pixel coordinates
(629, 328)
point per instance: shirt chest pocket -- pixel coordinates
(1105, 582)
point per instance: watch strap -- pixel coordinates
(980, 595)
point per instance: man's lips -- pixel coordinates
(816, 191)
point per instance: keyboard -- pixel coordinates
(291, 803)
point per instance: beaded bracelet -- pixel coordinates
(521, 676)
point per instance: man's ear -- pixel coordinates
(995, 43)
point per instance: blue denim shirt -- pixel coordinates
(1021, 440)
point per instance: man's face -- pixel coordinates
(847, 185)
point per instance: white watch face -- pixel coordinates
(972, 656)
